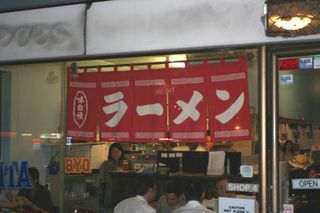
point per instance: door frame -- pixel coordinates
(269, 108)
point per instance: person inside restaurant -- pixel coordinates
(38, 198)
(115, 162)
(173, 198)
(193, 193)
(146, 192)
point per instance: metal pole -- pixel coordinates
(263, 129)
(274, 126)
(63, 136)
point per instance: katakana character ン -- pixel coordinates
(189, 109)
(150, 109)
(119, 108)
(234, 108)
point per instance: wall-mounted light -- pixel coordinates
(288, 18)
(291, 23)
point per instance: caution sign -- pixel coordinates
(235, 205)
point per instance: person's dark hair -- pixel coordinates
(142, 185)
(193, 190)
(34, 173)
(174, 187)
(284, 148)
(118, 146)
(227, 177)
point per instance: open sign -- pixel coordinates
(77, 165)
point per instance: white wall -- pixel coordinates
(127, 26)
(152, 25)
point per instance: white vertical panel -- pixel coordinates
(42, 33)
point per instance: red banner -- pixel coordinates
(142, 106)
(115, 106)
(150, 104)
(82, 106)
(228, 100)
(187, 105)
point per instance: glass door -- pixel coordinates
(298, 147)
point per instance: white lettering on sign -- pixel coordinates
(235, 205)
(309, 183)
(243, 187)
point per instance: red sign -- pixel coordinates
(228, 100)
(187, 105)
(288, 64)
(82, 106)
(150, 105)
(115, 106)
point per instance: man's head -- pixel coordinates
(174, 193)
(34, 175)
(147, 188)
(193, 191)
(221, 185)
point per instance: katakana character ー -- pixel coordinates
(150, 109)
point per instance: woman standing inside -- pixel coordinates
(115, 159)
(115, 162)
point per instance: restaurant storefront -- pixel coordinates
(40, 47)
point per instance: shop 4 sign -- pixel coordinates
(77, 165)
(14, 175)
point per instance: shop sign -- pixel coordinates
(286, 79)
(305, 63)
(316, 62)
(77, 165)
(234, 205)
(307, 183)
(288, 64)
(14, 175)
(243, 187)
